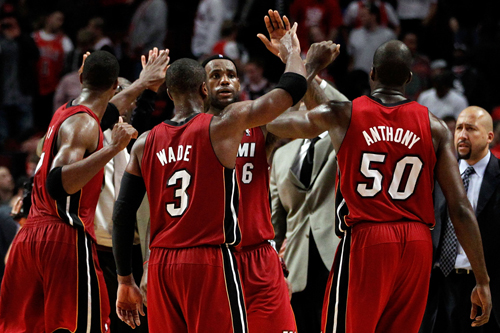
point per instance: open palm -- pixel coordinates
(277, 28)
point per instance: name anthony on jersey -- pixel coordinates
(387, 133)
(182, 154)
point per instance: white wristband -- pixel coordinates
(323, 84)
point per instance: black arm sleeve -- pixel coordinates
(132, 192)
(141, 116)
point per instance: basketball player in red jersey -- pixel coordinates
(264, 287)
(187, 166)
(389, 150)
(53, 282)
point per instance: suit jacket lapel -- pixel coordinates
(490, 181)
(293, 171)
(321, 150)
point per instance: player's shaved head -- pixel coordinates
(392, 62)
(185, 76)
(100, 70)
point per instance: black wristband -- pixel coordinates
(294, 84)
(54, 184)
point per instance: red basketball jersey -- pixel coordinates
(77, 209)
(50, 64)
(252, 171)
(386, 163)
(193, 197)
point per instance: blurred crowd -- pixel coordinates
(455, 46)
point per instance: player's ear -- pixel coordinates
(204, 90)
(410, 77)
(80, 78)
(169, 96)
(372, 74)
(115, 85)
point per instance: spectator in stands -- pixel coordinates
(443, 100)
(228, 45)
(102, 42)
(466, 77)
(8, 229)
(255, 84)
(388, 16)
(18, 57)
(365, 40)
(415, 15)
(207, 27)
(85, 40)
(147, 30)
(54, 45)
(6, 187)
(324, 14)
(421, 68)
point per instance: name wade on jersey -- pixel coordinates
(182, 154)
(387, 133)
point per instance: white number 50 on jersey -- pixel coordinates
(396, 191)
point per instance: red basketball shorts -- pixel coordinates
(265, 290)
(53, 281)
(380, 279)
(195, 290)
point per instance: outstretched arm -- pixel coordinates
(463, 218)
(129, 302)
(152, 76)
(227, 130)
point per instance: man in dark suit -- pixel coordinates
(452, 279)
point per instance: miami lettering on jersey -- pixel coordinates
(387, 133)
(246, 149)
(180, 154)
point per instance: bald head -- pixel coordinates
(391, 63)
(473, 134)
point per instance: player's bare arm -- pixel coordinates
(332, 117)
(152, 77)
(228, 129)
(129, 302)
(462, 216)
(78, 137)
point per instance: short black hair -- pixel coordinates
(100, 70)
(185, 76)
(392, 62)
(218, 57)
(373, 9)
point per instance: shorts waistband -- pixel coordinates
(39, 221)
(251, 247)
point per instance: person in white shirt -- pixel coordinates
(365, 40)
(452, 279)
(207, 25)
(443, 100)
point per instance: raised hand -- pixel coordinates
(276, 28)
(320, 55)
(154, 68)
(80, 70)
(129, 303)
(480, 298)
(122, 134)
(289, 44)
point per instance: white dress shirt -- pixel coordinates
(475, 181)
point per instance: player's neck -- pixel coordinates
(97, 101)
(186, 106)
(388, 94)
(214, 110)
